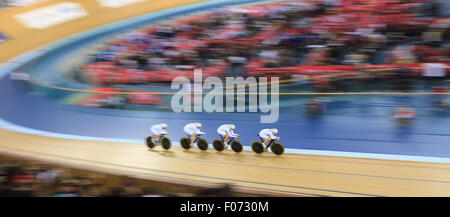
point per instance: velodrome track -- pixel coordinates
(295, 174)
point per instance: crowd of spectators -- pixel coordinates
(38, 180)
(292, 33)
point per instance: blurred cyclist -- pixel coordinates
(404, 111)
(440, 102)
(404, 114)
(268, 137)
(157, 130)
(225, 131)
(192, 130)
(315, 107)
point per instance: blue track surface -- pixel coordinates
(369, 129)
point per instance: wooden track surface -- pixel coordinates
(293, 174)
(290, 173)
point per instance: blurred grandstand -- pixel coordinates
(403, 41)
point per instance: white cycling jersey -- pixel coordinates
(157, 129)
(267, 133)
(226, 129)
(191, 129)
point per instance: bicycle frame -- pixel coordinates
(270, 142)
(230, 139)
(159, 139)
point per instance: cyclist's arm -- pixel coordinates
(163, 132)
(231, 133)
(272, 136)
(198, 132)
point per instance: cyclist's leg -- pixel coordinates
(160, 137)
(230, 140)
(225, 140)
(266, 141)
(156, 138)
(270, 143)
(192, 138)
(196, 138)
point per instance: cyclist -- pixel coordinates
(226, 131)
(268, 137)
(404, 112)
(192, 130)
(157, 130)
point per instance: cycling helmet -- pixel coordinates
(232, 126)
(275, 130)
(164, 126)
(198, 125)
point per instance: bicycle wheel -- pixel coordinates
(202, 144)
(277, 148)
(257, 147)
(165, 142)
(218, 145)
(185, 143)
(149, 142)
(236, 146)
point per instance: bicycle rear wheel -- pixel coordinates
(257, 147)
(185, 143)
(149, 142)
(218, 145)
